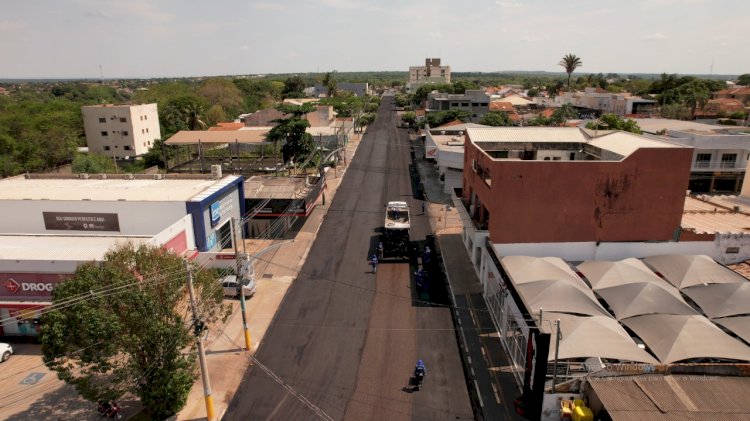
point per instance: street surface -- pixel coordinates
(346, 339)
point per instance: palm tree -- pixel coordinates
(570, 62)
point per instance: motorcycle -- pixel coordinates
(110, 409)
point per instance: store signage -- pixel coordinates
(81, 221)
(211, 241)
(220, 208)
(14, 286)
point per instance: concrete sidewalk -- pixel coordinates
(226, 358)
(489, 375)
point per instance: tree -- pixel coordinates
(561, 115)
(222, 92)
(439, 118)
(93, 163)
(292, 131)
(215, 114)
(531, 93)
(294, 87)
(496, 119)
(410, 118)
(570, 62)
(156, 155)
(614, 122)
(744, 80)
(123, 328)
(329, 81)
(181, 113)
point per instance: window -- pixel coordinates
(149, 143)
(123, 120)
(728, 160)
(126, 147)
(464, 104)
(115, 146)
(104, 133)
(124, 132)
(146, 130)
(703, 160)
(102, 120)
(141, 118)
(143, 131)
(145, 117)
(106, 148)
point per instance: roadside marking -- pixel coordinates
(494, 390)
(32, 378)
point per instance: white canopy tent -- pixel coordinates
(559, 296)
(739, 325)
(593, 336)
(522, 269)
(604, 274)
(685, 270)
(674, 338)
(721, 300)
(639, 298)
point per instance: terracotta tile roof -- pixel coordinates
(501, 106)
(548, 112)
(453, 123)
(742, 90)
(226, 126)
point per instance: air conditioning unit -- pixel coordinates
(158, 176)
(216, 171)
(83, 176)
(129, 176)
(474, 164)
(102, 176)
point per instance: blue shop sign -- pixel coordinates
(215, 213)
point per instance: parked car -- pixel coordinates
(230, 283)
(5, 352)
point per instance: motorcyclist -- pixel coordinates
(420, 370)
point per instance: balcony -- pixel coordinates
(466, 217)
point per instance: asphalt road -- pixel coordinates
(346, 339)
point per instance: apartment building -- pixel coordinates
(476, 102)
(431, 71)
(720, 153)
(121, 131)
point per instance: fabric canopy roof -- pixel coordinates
(593, 336)
(639, 298)
(684, 270)
(674, 338)
(522, 269)
(559, 296)
(740, 326)
(721, 300)
(604, 274)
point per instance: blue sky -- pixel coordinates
(162, 38)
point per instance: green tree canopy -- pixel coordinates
(156, 155)
(329, 81)
(124, 328)
(496, 119)
(410, 118)
(294, 87)
(291, 132)
(744, 80)
(439, 118)
(614, 122)
(224, 93)
(93, 163)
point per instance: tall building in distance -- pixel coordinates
(431, 72)
(121, 131)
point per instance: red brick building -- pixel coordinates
(557, 185)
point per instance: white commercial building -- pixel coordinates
(49, 226)
(121, 131)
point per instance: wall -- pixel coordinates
(183, 227)
(137, 132)
(134, 217)
(230, 206)
(638, 199)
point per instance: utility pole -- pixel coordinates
(198, 326)
(558, 336)
(241, 273)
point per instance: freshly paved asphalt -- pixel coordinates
(346, 339)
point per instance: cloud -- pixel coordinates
(654, 37)
(509, 4)
(358, 5)
(244, 47)
(436, 34)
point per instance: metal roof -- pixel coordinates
(69, 189)
(526, 134)
(268, 187)
(658, 397)
(624, 143)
